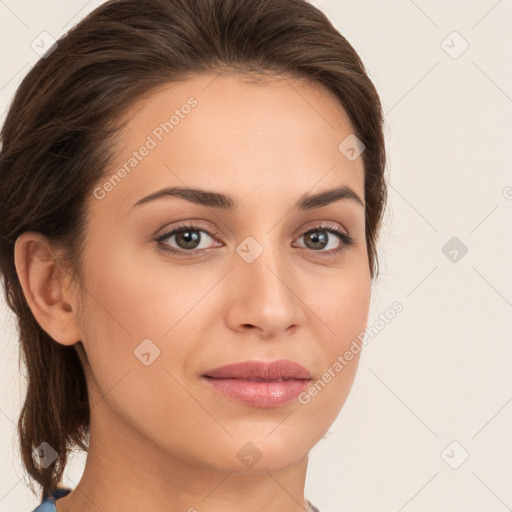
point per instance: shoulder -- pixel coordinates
(48, 504)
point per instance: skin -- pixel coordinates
(160, 439)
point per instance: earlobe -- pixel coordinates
(44, 287)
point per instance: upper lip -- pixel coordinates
(282, 369)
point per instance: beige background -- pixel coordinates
(440, 371)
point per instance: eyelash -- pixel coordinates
(345, 239)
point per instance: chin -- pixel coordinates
(263, 454)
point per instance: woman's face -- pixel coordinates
(256, 278)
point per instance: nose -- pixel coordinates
(265, 295)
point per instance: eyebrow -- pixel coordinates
(222, 201)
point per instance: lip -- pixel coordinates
(260, 384)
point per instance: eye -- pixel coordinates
(327, 235)
(189, 239)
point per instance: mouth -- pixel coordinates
(282, 369)
(253, 379)
(260, 384)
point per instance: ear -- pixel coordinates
(45, 288)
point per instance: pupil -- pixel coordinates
(190, 238)
(315, 238)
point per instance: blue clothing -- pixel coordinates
(48, 504)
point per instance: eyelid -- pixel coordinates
(186, 224)
(193, 225)
(324, 224)
(346, 240)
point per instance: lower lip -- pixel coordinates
(260, 394)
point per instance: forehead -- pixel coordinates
(237, 135)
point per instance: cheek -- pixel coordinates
(129, 292)
(342, 301)
(343, 306)
(129, 310)
(347, 312)
(120, 311)
(131, 299)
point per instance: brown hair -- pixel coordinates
(59, 135)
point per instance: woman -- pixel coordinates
(191, 196)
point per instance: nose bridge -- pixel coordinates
(265, 281)
(268, 273)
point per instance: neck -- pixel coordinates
(126, 471)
